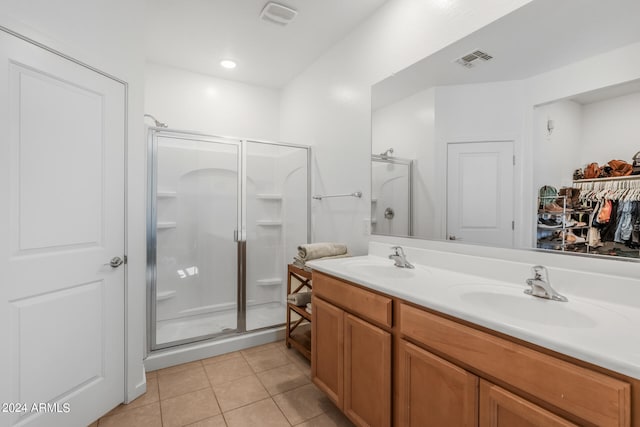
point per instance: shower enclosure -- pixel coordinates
(225, 216)
(391, 195)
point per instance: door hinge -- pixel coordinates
(513, 225)
(125, 259)
(514, 160)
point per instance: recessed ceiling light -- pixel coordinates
(229, 64)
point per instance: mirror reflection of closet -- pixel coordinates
(557, 79)
(592, 127)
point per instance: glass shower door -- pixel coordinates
(277, 222)
(193, 251)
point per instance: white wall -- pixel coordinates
(610, 130)
(608, 69)
(197, 102)
(105, 34)
(558, 154)
(328, 106)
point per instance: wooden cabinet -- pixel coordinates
(367, 373)
(581, 392)
(499, 408)
(327, 361)
(434, 392)
(448, 372)
(351, 360)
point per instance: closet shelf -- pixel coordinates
(266, 196)
(268, 223)
(166, 194)
(166, 225)
(269, 282)
(165, 295)
(614, 178)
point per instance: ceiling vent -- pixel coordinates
(277, 13)
(474, 58)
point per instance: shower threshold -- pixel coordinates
(220, 322)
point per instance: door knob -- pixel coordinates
(452, 237)
(115, 262)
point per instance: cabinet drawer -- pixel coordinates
(589, 395)
(369, 305)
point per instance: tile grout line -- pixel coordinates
(285, 416)
(292, 362)
(269, 397)
(215, 396)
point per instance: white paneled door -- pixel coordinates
(62, 140)
(480, 192)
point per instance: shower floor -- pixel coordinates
(258, 316)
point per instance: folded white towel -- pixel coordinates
(300, 299)
(300, 263)
(308, 310)
(320, 250)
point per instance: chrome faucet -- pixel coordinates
(541, 286)
(400, 258)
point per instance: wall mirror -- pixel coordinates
(466, 141)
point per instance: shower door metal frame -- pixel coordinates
(152, 150)
(240, 234)
(403, 162)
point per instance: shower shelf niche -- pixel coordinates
(269, 282)
(269, 196)
(165, 295)
(166, 225)
(268, 223)
(166, 194)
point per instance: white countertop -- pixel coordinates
(595, 331)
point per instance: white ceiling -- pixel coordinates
(538, 37)
(197, 34)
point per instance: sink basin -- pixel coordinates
(511, 303)
(379, 270)
(530, 309)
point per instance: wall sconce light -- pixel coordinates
(550, 126)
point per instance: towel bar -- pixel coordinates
(357, 194)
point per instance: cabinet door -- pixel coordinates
(434, 392)
(499, 408)
(327, 343)
(367, 382)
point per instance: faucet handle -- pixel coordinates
(540, 273)
(398, 250)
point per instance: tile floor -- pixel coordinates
(265, 386)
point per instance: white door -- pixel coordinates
(480, 192)
(61, 219)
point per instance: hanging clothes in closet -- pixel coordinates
(616, 214)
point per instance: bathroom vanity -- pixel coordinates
(433, 347)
